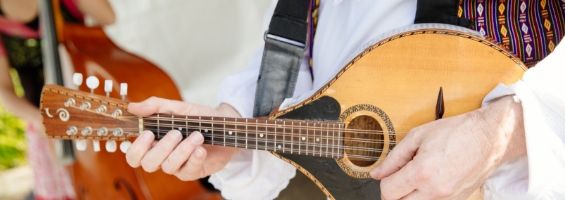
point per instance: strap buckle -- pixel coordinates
(269, 36)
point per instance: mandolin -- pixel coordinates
(338, 134)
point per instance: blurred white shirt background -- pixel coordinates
(197, 43)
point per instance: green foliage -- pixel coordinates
(12, 141)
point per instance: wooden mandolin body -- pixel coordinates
(392, 87)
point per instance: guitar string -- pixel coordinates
(168, 119)
(320, 143)
(284, 134)
(183, 120)
(317, 144)
(263, 125)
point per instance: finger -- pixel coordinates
(181, 154)
(156, 105)
(194, 168)
(400, 183)
(156, 155)
(402, 154)
(139, 147)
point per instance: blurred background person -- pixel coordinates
(20, 50)
(197, 43)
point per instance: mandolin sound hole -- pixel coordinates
(364, 140)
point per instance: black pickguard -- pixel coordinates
(326, 170)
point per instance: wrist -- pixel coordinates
(504, 117)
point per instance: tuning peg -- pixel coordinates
(92, 83)
(96, 145)
(77, 79)
(123, 90)
(108, 87)
(111, 146)
(80, 145)
(124, 146)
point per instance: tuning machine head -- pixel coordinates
(80, 145)
(92, 83)
(124, 146)
(123, 90)
(111, 146)
(108, 84)
(77, 79)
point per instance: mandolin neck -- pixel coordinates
(314, 138)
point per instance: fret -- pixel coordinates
(224, 132)
(266, 134)
(275, 134)
(327, 138)
(307, 138)
(291, 137)
(231, 132)
(246, 134)
(299, 136)
(212, 134)
(340, 135)
(319, 138)
(186, 129)
(256, 134)
(158, 127)
(172, 122)
(333, 141)
(283, 133)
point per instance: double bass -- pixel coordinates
(106, 175)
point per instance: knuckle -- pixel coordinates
(443, 190)
(132, 160)
(167, 170)
(184, 177)
(423, 176)
(148, 166)
(186, 148)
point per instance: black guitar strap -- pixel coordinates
(440, 11)
(285, 45)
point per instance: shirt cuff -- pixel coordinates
(541, 174)
(253, 175)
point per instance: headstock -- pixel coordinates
(82, 116)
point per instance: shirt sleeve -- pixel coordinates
(540, 175)
(253, 174)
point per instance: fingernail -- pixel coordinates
(147, 136)
(196, 138)
(175, 133)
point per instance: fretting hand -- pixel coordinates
(452, 157)
(187, 159)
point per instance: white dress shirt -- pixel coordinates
(347, 27)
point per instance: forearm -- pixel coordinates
(505, 117)
(100, 10)
(18, 106)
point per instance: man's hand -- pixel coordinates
(187, 159)
(452, 157)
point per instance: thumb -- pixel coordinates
(402, 154)
(154, 105)
(144, 108)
